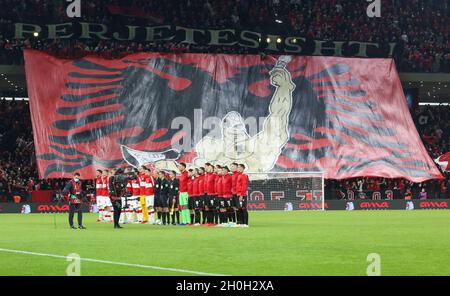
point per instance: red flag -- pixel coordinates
(347, 117)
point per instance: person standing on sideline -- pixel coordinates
(73, 188)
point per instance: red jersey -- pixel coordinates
(210, 183)
(234, 181)
(183, 181)
(189, 186)
(136, 187)
(149, 186)
(129, 187)
(219, 188)
(142, 184)
(242, 185)
(201, 184)
(195, 187)
(99, 186)
(105, 180)
(226, 186)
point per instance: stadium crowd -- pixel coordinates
(18, 173)
(419, 26)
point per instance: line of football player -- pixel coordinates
(212, 195)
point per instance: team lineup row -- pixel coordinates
(212, 195)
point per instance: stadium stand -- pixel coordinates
(421, 26)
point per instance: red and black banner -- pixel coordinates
(345, 116)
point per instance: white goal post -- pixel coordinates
(286, 191)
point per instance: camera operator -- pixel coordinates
(117, 187)
(73, 188)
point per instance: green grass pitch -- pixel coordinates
(277, 243)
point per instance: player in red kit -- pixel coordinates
(235, 198)
(201, 195)
(99, 195)
(217, 172)
(225, 204)
(125, 199)
(108, 210)
(149, 195)
(241, 191)
(134, 200)
(220, 202)
(210, 187)
(141, 200)
(195, 217)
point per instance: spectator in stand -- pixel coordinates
(419, 26)
(423, 194)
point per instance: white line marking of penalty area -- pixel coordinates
(113, 262)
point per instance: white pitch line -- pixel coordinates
(113, 262)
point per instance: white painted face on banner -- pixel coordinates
(233, 124)
(235, 136)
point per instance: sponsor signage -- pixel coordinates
(301, 205)
(37, 208)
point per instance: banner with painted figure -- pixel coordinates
(444, 162)
(345, 116)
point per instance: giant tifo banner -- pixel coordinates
(347, 117)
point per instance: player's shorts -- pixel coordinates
(203, 200)
(157, 202)
(213, 201)
(100, 201)
(235, 201)
(198, 202)
(103, 201)
(222, 203)
(107, 201)
(209, 201)
(228, 202)
(149, 200)
(134, 202)
(124, 202)
(191, 202)
(242, 202)
(163, 201)
(173, 202)
(183, 198)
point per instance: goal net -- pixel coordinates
(286, 191)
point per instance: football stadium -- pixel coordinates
(218, 138)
